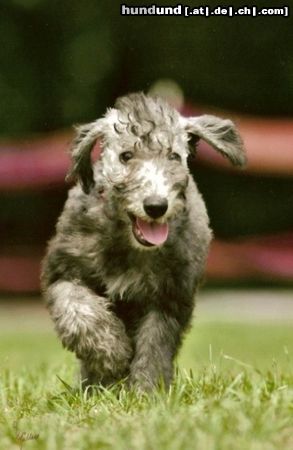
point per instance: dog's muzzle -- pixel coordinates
(149, 233)
(155, 206)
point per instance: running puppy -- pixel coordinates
(121, 274)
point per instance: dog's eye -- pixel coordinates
(125, 157)
(174, 157)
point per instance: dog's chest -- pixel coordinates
(131, 284)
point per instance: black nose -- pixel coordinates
(155, 206)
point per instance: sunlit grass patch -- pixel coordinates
(242, 408)
(233, 390)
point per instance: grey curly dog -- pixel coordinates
(121, 274)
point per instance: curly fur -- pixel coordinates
(121, 306)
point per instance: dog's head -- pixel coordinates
(145, 146)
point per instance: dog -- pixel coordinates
(121, 274)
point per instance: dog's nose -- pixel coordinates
(155, 206)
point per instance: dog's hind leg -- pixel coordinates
(87, 327)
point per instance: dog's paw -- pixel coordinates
(149, 376)
(141, 384)
(107, 355)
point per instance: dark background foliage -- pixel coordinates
(65, 62)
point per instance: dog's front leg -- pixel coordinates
(156, 342)
(87, 327)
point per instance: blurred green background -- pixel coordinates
(231, 329)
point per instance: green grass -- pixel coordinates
(237, 396)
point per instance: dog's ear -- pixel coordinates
(220, 134)
(81, 148)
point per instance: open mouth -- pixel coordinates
(149, 234)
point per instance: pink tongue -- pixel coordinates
(155, 233)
